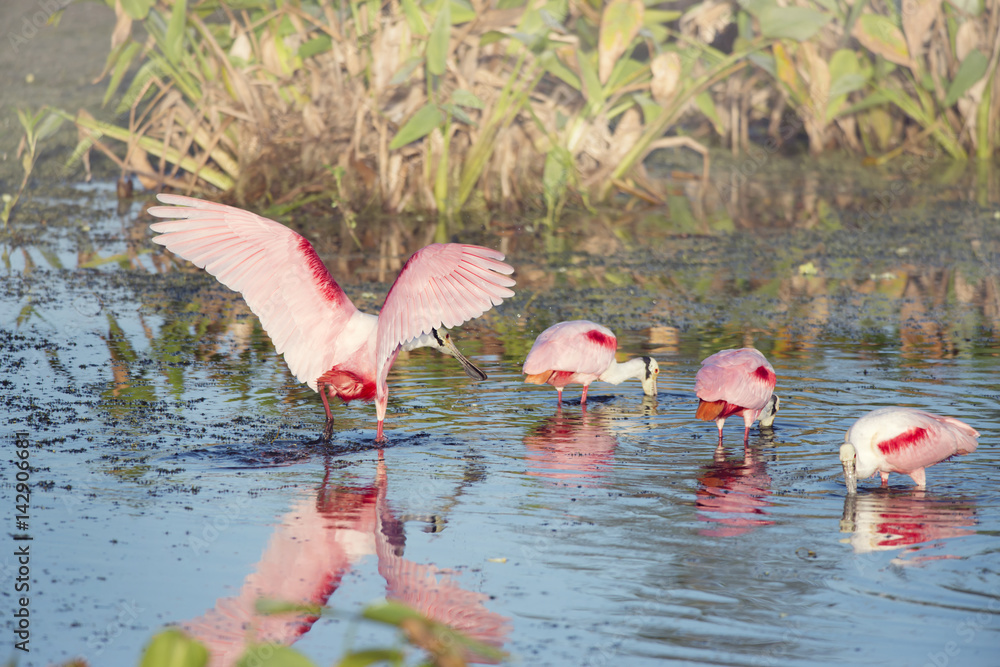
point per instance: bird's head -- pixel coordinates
(443, 342)
(770, 411)
(649, 378)
(848, 459)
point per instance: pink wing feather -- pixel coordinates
(908, 439)
(278, 272)
(578, 346)
(440, 285)
(734, 376)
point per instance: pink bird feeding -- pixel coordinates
(326, 341)
(736, 382)
(902, 440)
(580, 352)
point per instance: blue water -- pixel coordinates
(170, 481)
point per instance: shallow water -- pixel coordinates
(171, 482)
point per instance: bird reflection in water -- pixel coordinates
(912, 521)
(733, 493)
(576, 445)
(306, 559)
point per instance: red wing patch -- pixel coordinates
(329, 289)
(903, 441)
(349, 387)
(765, 374)
(601, 339)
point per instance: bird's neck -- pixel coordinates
(618, 373)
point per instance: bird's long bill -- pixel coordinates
(850, 473)
(470, 368)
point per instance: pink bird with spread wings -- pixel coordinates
(327, 342)
(736, 382)
(580, 352)
(902, 440)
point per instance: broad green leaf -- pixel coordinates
(414, 18)
(972, 69)
(650, 109)
(553, 64)
(173, 648)
(419, 126)
(458, 113)
(880, 35)
(588, 73)
(137, 9)
(653, 17)
(620, 23)
(465, 98)
(405, 70)
(273, 655)
(173, 45)
(706, 105)
(798, 23)
(371, 657)
(787, 74)
(438, 42)
(314, 46)
(461, 12)
(48, 127)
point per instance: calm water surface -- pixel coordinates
(171, 485)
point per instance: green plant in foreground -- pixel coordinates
(443, 645)
(37, 127)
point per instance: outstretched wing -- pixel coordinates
(441, 285)
(577, 346)
(276, 270)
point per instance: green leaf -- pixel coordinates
(706, 105)
(419, 126)
(173, 648)
(371, 657)
(461, 12)
(437, 44)
(798, 23)
(656, 17)
(972, 69)
(316, 45)
(121, 66)
(465, 98)
(273, 655)
(48, 126)
(137, 10)
(588, 73)
(414, 18)
(173, 45)
(405, 70)
(880, 35)
(620, 23)
(458, 113)
(552, 64)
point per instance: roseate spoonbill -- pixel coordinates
(579, 352)
(327, 342)
(736, 382)
(901, 440)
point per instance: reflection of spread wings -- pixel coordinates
(306, 558)
(910, 521)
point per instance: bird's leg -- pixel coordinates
(583, 398)
(885, 478)
(919, 477)
(328, 427)
(559, 395)
(720, 423)
(379, 436)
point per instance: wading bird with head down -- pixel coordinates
(327, 342)
(902, 440)
(736, 382)
(580, 352)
